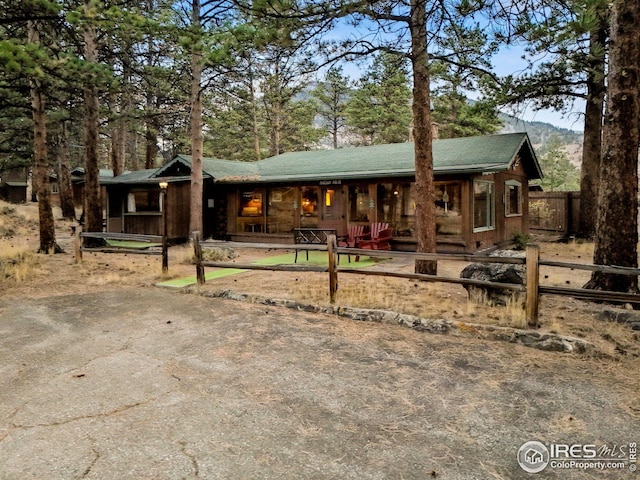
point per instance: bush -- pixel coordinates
(520, 241)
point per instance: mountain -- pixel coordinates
(540, 133)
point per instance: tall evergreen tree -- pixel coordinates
(616, 239)
(559, 173)
(379, 109)
(571, 38)
(331, 95)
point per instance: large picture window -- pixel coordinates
(513, 198)
(483, 205)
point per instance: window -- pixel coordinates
(143, 201)
(448, 214)
(396, 205)
(280, 210)
(512, 198)
(359, 203)
(250, 204)
(250, 208)
(483, 206)
(309, 207)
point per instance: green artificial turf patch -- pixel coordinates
(315, 258)
(211, 275)
(131, 244)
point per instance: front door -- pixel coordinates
(332, 210)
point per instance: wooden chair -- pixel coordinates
(376, 229)
(354, 234)
(381, 242)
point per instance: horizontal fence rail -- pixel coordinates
(81, 246)
(532, 262)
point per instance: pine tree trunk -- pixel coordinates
(92, 203)
(425, 193)
(197, 142)
(616, 236)
(276, 115)
(117, 143)
(41, 163)
(151, 146)
(255, 126)
(592, 143)
(65, 189)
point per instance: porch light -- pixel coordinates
(163, 185)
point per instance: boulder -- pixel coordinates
(497, 273)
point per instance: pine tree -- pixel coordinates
(616, 239)
(379, 110)
(331, 96)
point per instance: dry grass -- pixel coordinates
(26, 272)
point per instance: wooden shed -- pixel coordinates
(481, 192)
(13, 184)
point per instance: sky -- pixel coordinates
(509, 61)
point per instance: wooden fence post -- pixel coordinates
(333, 262)
(533, 282)
(78, 244)
(197, 250)
(165, 252)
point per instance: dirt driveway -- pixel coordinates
(154, 384)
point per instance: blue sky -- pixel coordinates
(509, 61)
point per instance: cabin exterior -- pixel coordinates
(481, 197)
(13, 184)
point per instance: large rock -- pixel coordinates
(497, 273)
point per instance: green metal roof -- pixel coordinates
(468, 155)
(139, 176)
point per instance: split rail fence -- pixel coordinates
(99, 242)
(532, 262)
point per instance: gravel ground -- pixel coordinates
(145, 383)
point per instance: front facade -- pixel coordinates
(481, 188)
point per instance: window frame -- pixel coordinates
(509, 184)
(490, 201)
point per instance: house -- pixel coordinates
(13, 184)
(77, 183)
(481, 193)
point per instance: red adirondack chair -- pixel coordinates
(355, 233)
(380, 241)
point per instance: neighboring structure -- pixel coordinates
(554, 213)
(481, 193)
(77, 184)
(13, 185)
